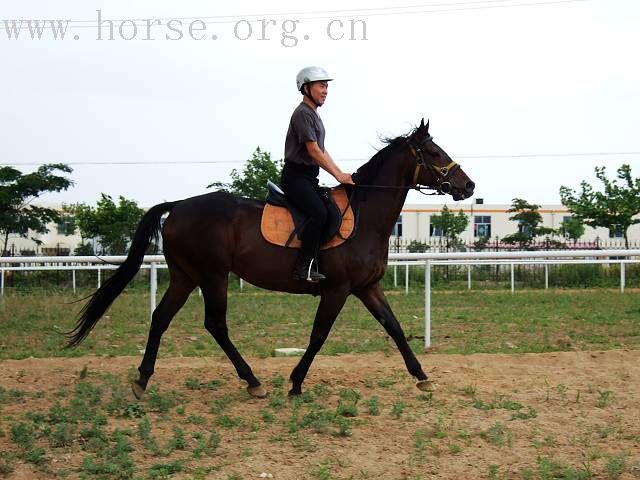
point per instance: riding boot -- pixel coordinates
(307, 269)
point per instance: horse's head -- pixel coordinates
(434, 168)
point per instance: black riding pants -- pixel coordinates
(300, 184)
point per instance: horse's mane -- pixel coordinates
(365, 173)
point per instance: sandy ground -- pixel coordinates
(587, 405)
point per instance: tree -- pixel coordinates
(252, 181)
(112, 225)
(416, 246)
(451, 225)
(529, 220)
(614, 207)
(18, 190)
(572, 229)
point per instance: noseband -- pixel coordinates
(441, 174)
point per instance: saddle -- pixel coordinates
(282, 224)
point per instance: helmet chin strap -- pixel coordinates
(306, 88)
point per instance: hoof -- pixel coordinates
(137, 390)
(294, 392)
(426, 385)
(258, 392)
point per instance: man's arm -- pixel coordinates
(324, 160)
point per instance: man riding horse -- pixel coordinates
(304, 154)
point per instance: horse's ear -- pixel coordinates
(427, 125)
(421, 124)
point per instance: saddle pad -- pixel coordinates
(277, 223)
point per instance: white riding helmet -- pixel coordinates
(311, 74)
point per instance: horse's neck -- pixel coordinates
(382, 206)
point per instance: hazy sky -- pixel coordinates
(494, 77)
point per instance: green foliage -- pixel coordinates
(495, 434)
(322, 471)
(165, 470)
(18, 190)
(550, 469)
(206, 446)
(144, 433)
(113, 225)
(347, 409)
(416, 246)
(7, 396)
(177, 441)
(37, 456)
(397, 408)
(158, 402)
(604, 397)
(615, 467)
(252, 181)
(22, 435)
(373, 406)
(572, 229)
(113, 461)
(134, 410)
(277, 381)
(529, 220)
(194, 384)
(94, 438)
(225, 421)
(277, 400)
(6, 467)
(451, 225)
(614, 207)
(62, 435)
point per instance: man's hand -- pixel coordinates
(345, 178)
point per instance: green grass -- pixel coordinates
(462, 322)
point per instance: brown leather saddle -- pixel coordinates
(282, 223)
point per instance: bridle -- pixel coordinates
(441, 174)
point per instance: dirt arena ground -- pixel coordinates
(558, 415)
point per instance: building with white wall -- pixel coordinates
(492, 220)
(60, 240)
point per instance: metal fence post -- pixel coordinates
(546, 276)
(2, 282)
(99, 279)
(395, 275)
(622, 276)
(427, 304)
(73, 280)
(406, 279)
(469, 276)
(513, 281)
(153, 280)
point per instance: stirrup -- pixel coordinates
(306, 273)
(317, 276)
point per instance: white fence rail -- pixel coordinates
(428, 260)
(621, 257)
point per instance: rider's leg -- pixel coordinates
(302, 192)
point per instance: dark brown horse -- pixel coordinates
(208, 236)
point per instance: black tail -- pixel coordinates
(103, 297)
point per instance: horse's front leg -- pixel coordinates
(374, 299)
(331, 302)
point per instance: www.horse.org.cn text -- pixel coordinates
(287, 32)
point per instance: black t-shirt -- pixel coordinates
(305, 126)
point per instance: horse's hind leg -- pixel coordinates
(331, 302)
(215, 321)
(174, 298)
(376, 302)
